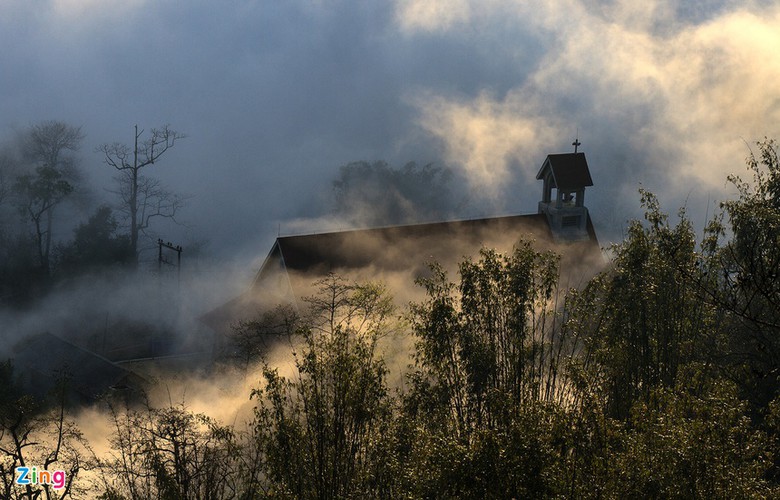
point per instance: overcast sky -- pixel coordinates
(276, 95)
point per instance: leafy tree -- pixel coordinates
(96, 244)
(46, 146)
(322, 430)
(376, 194)
(745, 284)
(643, 318)
(39, 194)
(657, 418)
(487, 343)
(37, 173)
(142, 198)
(692, 440)
(489, 385)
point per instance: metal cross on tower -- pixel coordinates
(576, 144)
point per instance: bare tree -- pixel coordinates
(47, 143)
(39, 433)
(171, 452)
(142, 198)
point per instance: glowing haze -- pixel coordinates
(275, 96)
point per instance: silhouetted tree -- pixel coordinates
(45, 175)
(38, 195)
(46, 145)
(251, 340)
(38, 433)
(142, 198)
(376, 194)
(96, 244)
(170, 453)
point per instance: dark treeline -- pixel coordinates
(43, 190)
(377, 194)
(658, 379)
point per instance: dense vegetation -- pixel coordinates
(659, 379)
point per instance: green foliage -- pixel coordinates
(746, 277)
(489, 385)
(321, 431)
(643, 318)
(489, 344)
(692, 440)
(524, 458)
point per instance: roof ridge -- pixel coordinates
(409, 225)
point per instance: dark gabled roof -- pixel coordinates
(42, 358)
(387, 249)
(569, 170)
(363, 247)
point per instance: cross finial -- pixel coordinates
(576, 144)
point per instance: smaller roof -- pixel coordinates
(569, 170)
(44, 357)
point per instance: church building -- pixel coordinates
(397, 255)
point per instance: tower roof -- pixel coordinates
(569, 170)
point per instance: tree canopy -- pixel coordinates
(377, 194)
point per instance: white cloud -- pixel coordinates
(687, 93)
(432, 15)
(484, 136)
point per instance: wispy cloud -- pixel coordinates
(432, 15)
(485, 135)
(679, 91)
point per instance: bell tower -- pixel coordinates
(565, 177)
